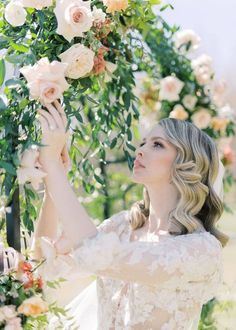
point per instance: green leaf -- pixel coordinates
(78, 117)
(15, 59)
(87, 167)
(129, 134)
(19, 48)
(113, 143)
(13, 82)
(130, 146)
(154, 2)
(3, 106)
(98, 179)
(8, 167)
(129, 119)
(2, 71)
(92, 100)
(126, 100)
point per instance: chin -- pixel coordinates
(135, 177)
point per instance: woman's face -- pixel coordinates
(154, 158)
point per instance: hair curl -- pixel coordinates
(193, 173)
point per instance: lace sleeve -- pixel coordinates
(60, 262)
(186, 258)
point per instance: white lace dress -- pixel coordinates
(156, 283)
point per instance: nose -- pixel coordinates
(139, 152)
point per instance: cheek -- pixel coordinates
(160, 160)
(160, 165)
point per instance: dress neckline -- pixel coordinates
(162, 234)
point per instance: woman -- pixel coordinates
(158, 263)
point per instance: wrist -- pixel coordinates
(52, 164)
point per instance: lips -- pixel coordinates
(138, 164)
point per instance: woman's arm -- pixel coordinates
(76, 223)
(47, 223)
(75, 220)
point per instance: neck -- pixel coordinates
(163, 200)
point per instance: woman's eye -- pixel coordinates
(155, 144)
(158, 143)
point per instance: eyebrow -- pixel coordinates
(155, 138)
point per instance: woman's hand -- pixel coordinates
(54, 136)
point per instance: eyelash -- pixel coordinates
(155, 143)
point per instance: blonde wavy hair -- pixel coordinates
(193, 172)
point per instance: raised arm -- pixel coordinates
(76, 223)
(46, 225)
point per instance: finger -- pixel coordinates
(60, 109)
(56, 115)
(51, 121)
(43, 123)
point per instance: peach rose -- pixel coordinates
(189, 101)
(46, 81)
(219, 124)
(115, 5)
(99, 62)
(37, 4)
(228, 155)
(74, 17)
(80, 61)
(15, 14)
(201, 118)
(170, 88)
(33, 306)
(178, 112)
(29, 168)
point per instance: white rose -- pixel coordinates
(170, 88)
(227, 112)
(178, 112)
(15, 14)
(37, 4)
(98, 15)
(217, 91)
(29, 168)
(202, 68)
(145, 123)
(8, 312)
(14, 324)
(201, 118)
(80, 60)
(187, 38)
(189, 101)
(74, 17)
